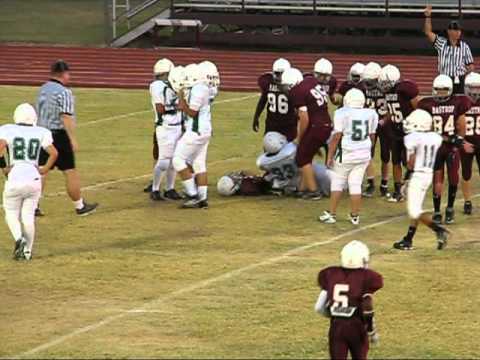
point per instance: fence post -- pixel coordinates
(460, 12)
(114, 19)
(172, 7)
(387, 8)
(315, 7)
(243, 6)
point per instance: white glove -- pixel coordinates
(374, 337)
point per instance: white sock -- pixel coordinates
(158, 171)
(13, 222)
(28, 220)
(171, 176)
(78, 204)
(190, 187)
(202, 192)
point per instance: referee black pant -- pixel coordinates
(459, 86)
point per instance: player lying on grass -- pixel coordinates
(22, 141)
(347, 299)
(351, 145)
(422, 144)
(472, 135)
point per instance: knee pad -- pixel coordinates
(355, 187)
(163, 164)
(199, 167)
(179, 164)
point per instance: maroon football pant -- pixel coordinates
(288, 130)
(467, 159)
(399, 153)
(384, 135)
(448, 155)
(313, 139)
(348, 335)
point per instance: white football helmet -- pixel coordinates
(279, 67)
(472, 86)
(25, 114)
(291, 77)
(419, 120)
(273, 142)
(442, 88)
(355, 255)
(210, 72)
(193, 75)
(163, 66)
(226, 186)
(323, 70)
(389, 77)
(370, 75)
(354, 98)
(356, 72)
(176, 78)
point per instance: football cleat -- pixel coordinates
(327, 218)
(148, 188)
(87, 209)
(39, 212)
(27, 255)
(172, 194)
(396, 197)
(299, 194)
(195, 203)
(156, 196)
(449, 216)
(467, 208)
(369, 191)
(354, 219)
(442, 238)
(18, 251)
(312, 195)
(384, 191)
(403, 244)
(437, 218)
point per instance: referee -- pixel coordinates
(454, 55)
(55, 107)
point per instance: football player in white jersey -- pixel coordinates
(210, 71)
(23, 141)
(282, 170)
(190, 157)
(422, 144)
(351, 144)
(168, 129)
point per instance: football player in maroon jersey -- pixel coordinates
(448, 112)
(401, 97)
(376, 100)
(323, 72)
(281, 116)
(472, 124)
(315, 125)
(354, 80)
(347, 299)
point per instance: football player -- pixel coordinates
(375, 100)
(168, 129)
(354, 79)
(315, 126)
(281, 115)
(351, 145)
(422, 144)
(23, 141)
(448, 112)
(472, 123)
(282, 172)
(323, 72)
(401, 97)
(347, 299)
(210, 71)
(244, 184)
(190, 156)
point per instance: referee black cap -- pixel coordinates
(454, 25)
(59, 67)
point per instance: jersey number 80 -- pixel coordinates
(22, 151)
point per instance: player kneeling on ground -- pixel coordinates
(190, 157)
(351, 144)
(347, 298)
(23, 141)
(422, 145)
(244, 184)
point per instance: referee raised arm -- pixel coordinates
(454, 55)
(56, 112)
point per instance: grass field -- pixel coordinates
(141, 279)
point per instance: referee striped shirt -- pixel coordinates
(54, 100)
(452, 60)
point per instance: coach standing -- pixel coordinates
(55, 107)
(454, 55)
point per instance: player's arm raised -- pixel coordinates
(258, 111)
(427, 27)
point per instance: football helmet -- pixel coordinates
(389, 77)
(355, 255)
(273, 142)
(472, 86)
(226, 186)
(290, 78)
(25, 114)
(210, 72)
(419, 120)
(356, 72)
(354, 98)
(370, 75)
(176, 78)
(279, 67)
(193, 75)
(442, 88)
(163, 66)
(323, 70)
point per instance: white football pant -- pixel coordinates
(167, 138)
(417, 189)
(348, 174)
(191, 150)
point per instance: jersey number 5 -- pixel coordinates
(277, 103)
